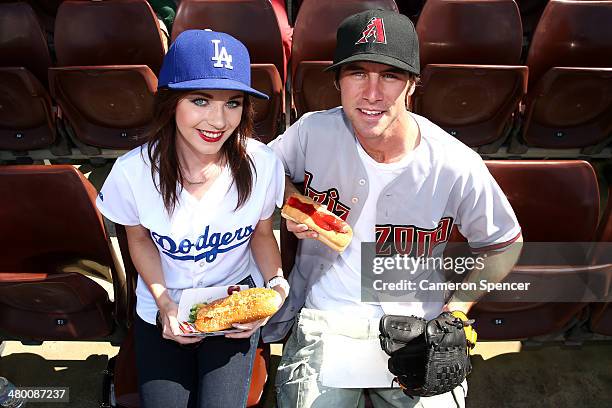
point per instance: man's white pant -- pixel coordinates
(298, 382)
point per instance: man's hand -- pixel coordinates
(301, 230)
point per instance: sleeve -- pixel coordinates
(290, 149)
(275, 190)
(116, 198)
(484, 215)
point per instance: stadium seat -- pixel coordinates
(108, 55)
(569, 103)
(601, 312)
(123, 366)
(531, 10)
(26, 117)
(555, 202)
(263, 40)
(601, 318)
(471, 77)
(314, 40)
(56, 258)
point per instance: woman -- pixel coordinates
(197, 202)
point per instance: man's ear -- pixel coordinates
(411, 89)
(409, 93)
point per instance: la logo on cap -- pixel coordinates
(221, 58)
(376, 29)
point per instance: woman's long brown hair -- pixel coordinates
(164, 158)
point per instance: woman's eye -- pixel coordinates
(233, 104)
(200, 102)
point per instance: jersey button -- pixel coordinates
(362, 182)
(354, 200)
(202, 264)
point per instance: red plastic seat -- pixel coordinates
(109, 53)
(555, 202)
(55, 251)
(26, 116)
(314, 41)
(471, 77)
(601, 313)
(263, 40)
(601, 318)
(569, 104)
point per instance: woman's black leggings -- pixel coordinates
(214, 373)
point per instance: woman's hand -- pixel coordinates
(248, 328)
(170, 325)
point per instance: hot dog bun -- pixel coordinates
(240, 307)
(337, 234)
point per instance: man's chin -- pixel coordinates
(368, 133)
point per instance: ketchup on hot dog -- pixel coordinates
(324, 221)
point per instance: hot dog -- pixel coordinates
(240, 307)
(331, 229)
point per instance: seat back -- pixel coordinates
(265, 78)
(110, 32)
(482, 32)
(601, 313)
(571, 33)
(471, 81)
(54, 243)
(604, 231)
(26, 118)
(474, 103)
(569, 104)
(554, 201)
(22, 41)
(50, 219)
(107, 106)
(253, 22)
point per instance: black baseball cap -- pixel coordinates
(382, 36)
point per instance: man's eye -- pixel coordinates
(359, 74)
(390, 76)
(199, 102)
(233, 104)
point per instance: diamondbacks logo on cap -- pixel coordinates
(221, 58)
(375, 29)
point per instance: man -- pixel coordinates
(389, 173)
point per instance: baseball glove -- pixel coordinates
(428, 357)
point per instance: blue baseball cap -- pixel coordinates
(205, 59)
